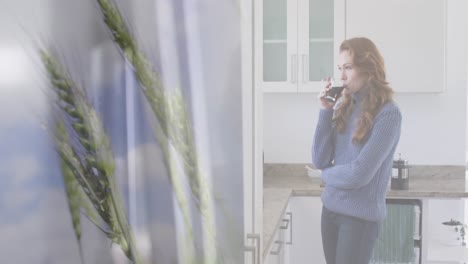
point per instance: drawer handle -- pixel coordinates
(278, 250)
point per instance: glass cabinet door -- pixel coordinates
(321, 37)
(296, 42)
(276, 52)
(321, 32)
(275, 44)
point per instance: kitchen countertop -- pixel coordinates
(281, 181)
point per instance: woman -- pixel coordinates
(354, 145)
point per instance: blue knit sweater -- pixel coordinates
(356, 175)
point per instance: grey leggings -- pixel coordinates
(347, 239)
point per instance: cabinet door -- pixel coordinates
(321, 31)
(307, 237)
(411, 36)
(276, 45)
(296, 43)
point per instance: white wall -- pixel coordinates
(434, 125)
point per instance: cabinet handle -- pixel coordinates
(304, 63)
(293, 68)
(290, 229)
(278, 250)
(286, 225)
(255, 249)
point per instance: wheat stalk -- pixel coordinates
(74, 196)
(154, 91)
(87, 159)
(173, 118)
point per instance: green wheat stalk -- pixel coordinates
(75, 198)
(87, 160)
(174, 124)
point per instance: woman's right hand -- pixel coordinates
(325, 104)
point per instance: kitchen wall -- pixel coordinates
(434, 125)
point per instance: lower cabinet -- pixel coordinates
(280, 248)
(298, 238)
(307, 237)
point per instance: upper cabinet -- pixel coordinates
(296, 43)
(411, 37)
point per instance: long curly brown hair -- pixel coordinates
(368, 60)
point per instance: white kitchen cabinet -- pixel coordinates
(411, 36)
(252, 144)
(296, 43)
(306, 232)
(280, 249)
